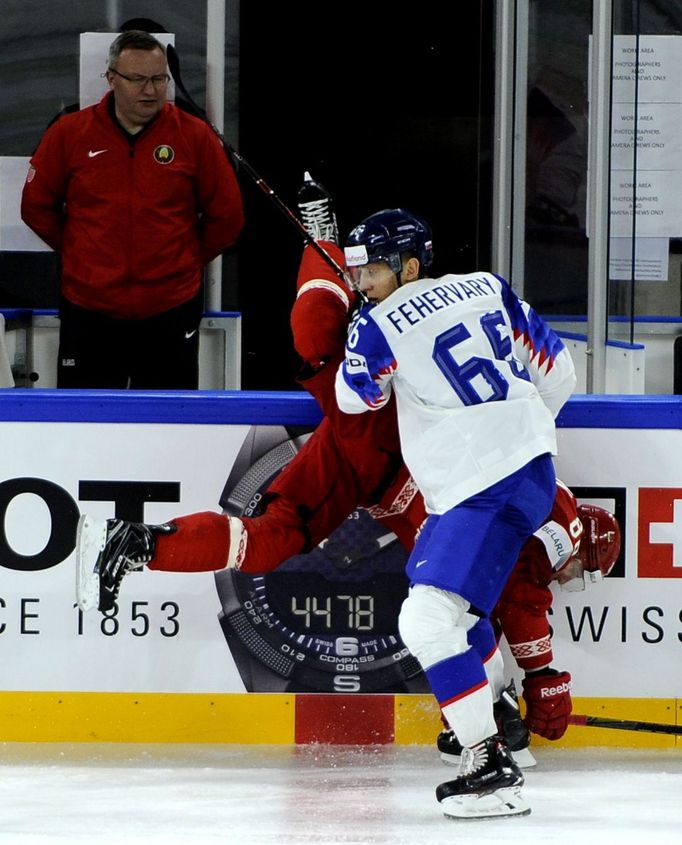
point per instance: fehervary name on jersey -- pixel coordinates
(422, 305)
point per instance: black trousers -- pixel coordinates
(156, 353)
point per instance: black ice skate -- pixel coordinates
(513, 728)
(509, 724)
(317, 211)
(488, 784)
(106, 550)
(449, 747)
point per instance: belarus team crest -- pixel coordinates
(164, 154)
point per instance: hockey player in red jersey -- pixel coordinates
(347, 462)
(522, 611)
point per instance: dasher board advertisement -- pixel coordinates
(327, 621)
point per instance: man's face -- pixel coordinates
(138, 102)
(376, 281)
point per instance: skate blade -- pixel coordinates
(502, 802)
(90, 539)
(524, 758)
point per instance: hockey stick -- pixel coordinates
(174, 68)
(624, 725)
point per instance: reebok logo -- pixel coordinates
(560, 689)
(93, 153)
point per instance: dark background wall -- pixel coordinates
(388, 105)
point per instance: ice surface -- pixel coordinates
(165, 794)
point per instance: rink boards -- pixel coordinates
(161, 670)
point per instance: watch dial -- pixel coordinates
(327, 620)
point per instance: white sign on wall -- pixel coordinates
(650, 260)
(166, 636)
(658, 143)
(655, 199)
(646, 147)
(658, 64)
(620, 638)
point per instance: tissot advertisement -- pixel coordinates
(324, 621)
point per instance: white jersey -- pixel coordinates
(478, 379)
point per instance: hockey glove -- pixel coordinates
(548, 702)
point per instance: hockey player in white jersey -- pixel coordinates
(478, 380)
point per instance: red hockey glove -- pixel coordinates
(548, 703)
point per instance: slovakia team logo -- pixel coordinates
(660, 532)
(164, 154)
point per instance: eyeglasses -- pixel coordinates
(159, 80)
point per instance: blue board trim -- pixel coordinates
(243, 407)
(206, 407)
(622, 411)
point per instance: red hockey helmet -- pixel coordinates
(600, 544)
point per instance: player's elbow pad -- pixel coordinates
(318, 324)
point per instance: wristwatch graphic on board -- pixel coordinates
(326, 621)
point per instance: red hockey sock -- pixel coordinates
(201, 543)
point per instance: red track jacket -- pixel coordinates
(135, 224)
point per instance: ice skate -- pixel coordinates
(106, 550)
(509, 724)
(513, 728)
(449, 748)
(488, 784)
(317, 211)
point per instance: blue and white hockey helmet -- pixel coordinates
(388, 235)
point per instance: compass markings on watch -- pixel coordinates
(342, 602)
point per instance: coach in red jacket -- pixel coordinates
(137, 197)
